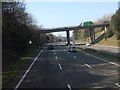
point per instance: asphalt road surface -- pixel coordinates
(59, 68)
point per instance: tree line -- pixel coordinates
(115, 23)
(19, 29)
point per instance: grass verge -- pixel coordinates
(14, 68)
(107, 56)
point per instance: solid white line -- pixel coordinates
(114, 64)
(103, 60)
(117, 84)
(88, 65)
(18, 84)
(60, 66)
(75, 57)
(69, 87)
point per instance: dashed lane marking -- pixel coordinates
(117, 84)
(69, 87)
(88, 65)
(56, 57)
(60, 66)
(75, 57)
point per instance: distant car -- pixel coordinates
(72, 48)
(50, 47)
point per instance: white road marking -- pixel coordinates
(64, 50)
(69, 87)
(114, 63)
(60, 66)
(88, 65)
(87, 54)
(18, 84)
(54, 53)
(117, 84)
(56, 57)
(104, 60)
(75, 57)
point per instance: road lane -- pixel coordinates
(45, 73)
(60, 69)
(18, 84)
(104, 69)
(100, 72)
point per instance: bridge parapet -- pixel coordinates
(72, 28)
(67, 29)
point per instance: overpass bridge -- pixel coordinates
(67, 29)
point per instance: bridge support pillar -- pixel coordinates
(92, 35)
(105, 30)
(68, 37)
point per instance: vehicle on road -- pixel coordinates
(50, 47)
(73, 48)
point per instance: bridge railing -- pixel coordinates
(73, 28)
